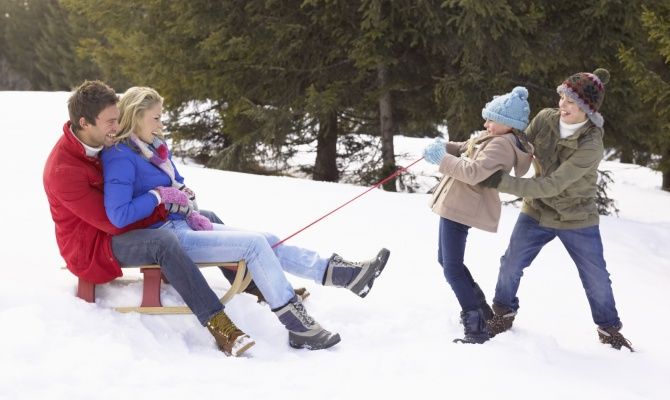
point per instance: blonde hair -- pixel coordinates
(132, 106)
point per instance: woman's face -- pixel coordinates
(496, 128)
(150, 123)
(570, 112)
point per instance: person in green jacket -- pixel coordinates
(560, 201)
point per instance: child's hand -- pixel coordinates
(435, 152)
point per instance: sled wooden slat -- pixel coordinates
(151, 291)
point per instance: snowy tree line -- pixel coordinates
(268, 75)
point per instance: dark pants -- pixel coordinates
(586, 250)
(451, 250)
(161, 246)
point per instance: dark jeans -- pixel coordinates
(161, 246)
(586, 250)
(451, 250)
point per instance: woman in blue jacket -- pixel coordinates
(139, 175)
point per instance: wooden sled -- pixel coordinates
(151, 292)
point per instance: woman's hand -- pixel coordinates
(198, 222)
(172, 195)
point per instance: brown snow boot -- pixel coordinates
(501, 321)
(614, 338)
(230, 339)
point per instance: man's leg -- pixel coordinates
(586, 249)
(527, 239)
(211, 246)
(161, 246)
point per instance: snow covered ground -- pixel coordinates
(396, 343)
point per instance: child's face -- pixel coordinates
(496, 128)
(570, 112)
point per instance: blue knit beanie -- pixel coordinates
(510, 109)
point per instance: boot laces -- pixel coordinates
(499, 323)
(226, 327)
(341, 262)
(302, 315)
(614, 338)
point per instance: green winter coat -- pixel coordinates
(562, 194)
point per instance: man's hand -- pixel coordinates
(492, 181)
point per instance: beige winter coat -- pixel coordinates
(458, 197)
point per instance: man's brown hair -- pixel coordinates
(88, 100)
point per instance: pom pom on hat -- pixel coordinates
(603, 75)
(511, 109)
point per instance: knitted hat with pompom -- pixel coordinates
(510, 109)
(587, 90)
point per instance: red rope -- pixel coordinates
(376, 185)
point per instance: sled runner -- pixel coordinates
(151, 292)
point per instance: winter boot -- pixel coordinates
(355, 276)
(501, 321)
(230, 339)
(303, 331)
(486, 308)
(614, 338)
(474, 326)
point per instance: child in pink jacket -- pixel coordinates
(462, 204)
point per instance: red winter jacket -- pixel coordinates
(73, 183)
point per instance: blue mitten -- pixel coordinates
(435, 152)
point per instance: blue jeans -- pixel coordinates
(161, 246)
(295, 260)
(267, 266)
(451, 250)
(586, 250)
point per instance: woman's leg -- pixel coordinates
(295, 260)
(229, 245)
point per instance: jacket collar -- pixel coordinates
(72, 143)
(571, 141)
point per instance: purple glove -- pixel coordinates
(172, 195)
(198, 222)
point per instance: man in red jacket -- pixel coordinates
(92, 247)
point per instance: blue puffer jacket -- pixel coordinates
(128, 179)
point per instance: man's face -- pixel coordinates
(104, 130)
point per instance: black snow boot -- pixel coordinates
(614, 338)
(355, 276)
(502, 320)
(474, 327)
(303, 331)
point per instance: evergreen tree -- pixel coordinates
(649, 66)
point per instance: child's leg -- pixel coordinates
(452, 240)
